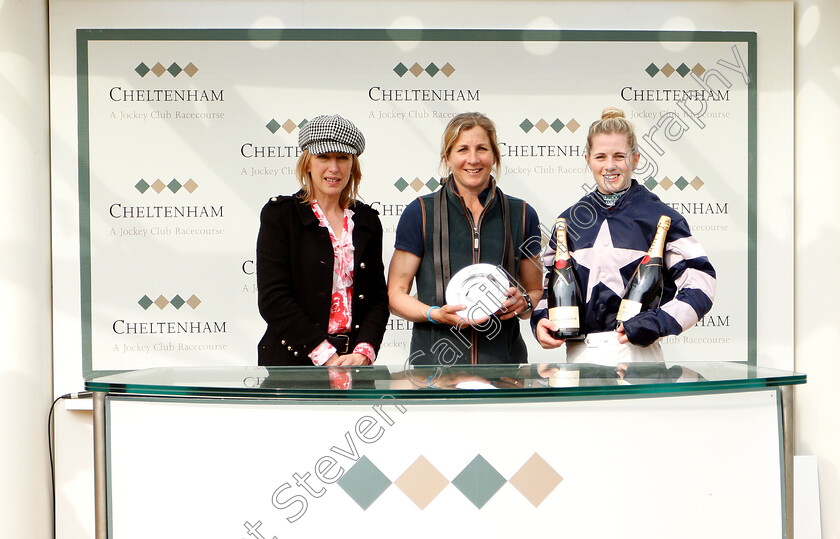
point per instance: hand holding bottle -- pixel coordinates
(544, 329)
(622, 337)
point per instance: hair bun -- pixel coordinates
(612, 112)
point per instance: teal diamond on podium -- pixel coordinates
(142, 69)
(683, 70)
(174, 69)
(400, 69)
(650, 183)
(364, 483)
(174, 185)
(681, 183)
(141, 186)
(177, 302)
(145, 302)
(272, 126)
(479, 481)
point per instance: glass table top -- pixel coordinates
(536, 380)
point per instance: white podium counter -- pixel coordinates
(651, 450)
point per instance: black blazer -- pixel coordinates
(294, 280)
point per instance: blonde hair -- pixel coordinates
(350, 192)
(463, 122)
(612, 121)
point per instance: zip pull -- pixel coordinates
(475, 238)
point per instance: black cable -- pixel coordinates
(50, 427)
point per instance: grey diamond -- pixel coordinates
(364, 482)
(479, 481)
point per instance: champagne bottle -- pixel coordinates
(644, 289)
(564, 299)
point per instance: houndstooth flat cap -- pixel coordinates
(324, 134)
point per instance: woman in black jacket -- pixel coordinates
(320, 274)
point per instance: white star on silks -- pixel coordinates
(604, 262)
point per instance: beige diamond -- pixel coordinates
(542, 125)
(572, 125)
(416, 70)
(666, 183)
(193, 301)
(158, 186)
(289, 126)
(421, 482)
(698, 70)
(158, 69)
(190, 69)
(161, 302)
(417, 184)
(447, 70)
(667, 70)
(696, 183)
(190, 186)
(535, 480)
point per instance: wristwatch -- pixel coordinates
(527, 299)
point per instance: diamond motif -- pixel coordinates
(572, 125)
(142, 69)
(479, 481)
(272, 126)
(190, 69)
(302, 123)
(161, 302)
(681, 183)
(401, 184)
(158, 69)
(416, 70)
(174, 69)
(557, 125)
(652, 70)
(141, 186)
(698, 70)
(400, 69)
(145, 302)
(364, 483)
(177, 301)
(535, 480)
(683, 70)
(289, 126)
(667, 70)
(447, 69)
(432, 69)
(417, 184)
(666, 183)
(174, 185)
(158, 186)
(432, 184)
(526, 125)
(190, 186)
(696, 183)
(542, 125)
(421, 482)
(650, 183)
(193, 302)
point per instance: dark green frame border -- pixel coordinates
(84, 36)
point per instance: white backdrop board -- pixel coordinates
(183, 134)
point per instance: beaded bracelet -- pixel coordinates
(429, 314)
